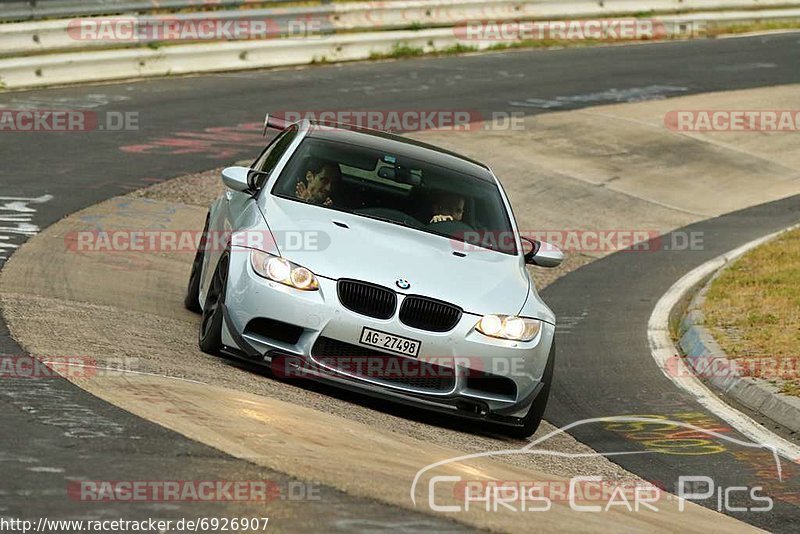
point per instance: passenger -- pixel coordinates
(448, 207)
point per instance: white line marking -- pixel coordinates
(46, 469)
(760, 33)
(17, 210)
(664, 350)
(614, 95)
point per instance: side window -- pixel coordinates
(272, 154)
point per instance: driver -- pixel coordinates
(319, 186)
(448, 207)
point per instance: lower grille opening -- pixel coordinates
(495, 385)
(388, 369)
(274, 330)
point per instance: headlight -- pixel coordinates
(509, 327)
(282, 271)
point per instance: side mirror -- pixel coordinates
(236, 178)
(542, 253)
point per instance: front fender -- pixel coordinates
(536, 308)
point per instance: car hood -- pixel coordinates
(379, 252)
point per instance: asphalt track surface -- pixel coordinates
(604, 366)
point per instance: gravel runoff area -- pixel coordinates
(753, 310)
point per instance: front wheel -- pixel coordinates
(210, 339)
(533, 418)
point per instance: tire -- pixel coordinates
(210, 335)
(533, 418)
(192, 300)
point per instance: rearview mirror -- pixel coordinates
(236, 178)
(401, 175)
(542, 253)
(387, 173)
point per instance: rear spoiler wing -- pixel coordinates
(275, 123)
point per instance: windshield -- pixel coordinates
(397, 189)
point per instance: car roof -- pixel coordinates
(397, 145)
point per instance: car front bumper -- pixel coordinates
(459, 363)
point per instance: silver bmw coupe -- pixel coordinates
(382, 265)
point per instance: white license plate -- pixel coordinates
(390, 342)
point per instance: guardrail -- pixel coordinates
(42, 9)
(339, 32)
(48, 9)
(111, 32)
